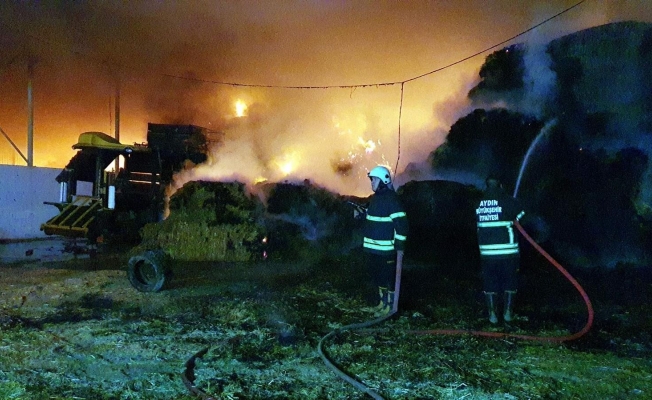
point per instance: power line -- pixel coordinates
(497, 44)
(402, 83)
(400, 113)
(236, 84)
(355, 86)
(379, 84)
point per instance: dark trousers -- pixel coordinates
(500, 274)
(382, 269)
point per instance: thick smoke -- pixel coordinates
(167, 57)
(539, 81)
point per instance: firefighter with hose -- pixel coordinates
(499, 248)
(385, 233)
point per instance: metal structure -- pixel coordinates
(120, 203)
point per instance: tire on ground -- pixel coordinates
(148, 272)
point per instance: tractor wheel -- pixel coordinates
(148, 272)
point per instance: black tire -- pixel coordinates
(148, 272)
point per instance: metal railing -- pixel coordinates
(75, 218)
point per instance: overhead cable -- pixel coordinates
(353, 86)
(239, 84)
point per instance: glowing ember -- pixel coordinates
(240, 108)
(287, 167)
(369, 145)
(288, 163)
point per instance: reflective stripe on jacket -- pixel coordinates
(386, 225)
(495, 217)
(499, 249)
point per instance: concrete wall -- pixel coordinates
(22, 193)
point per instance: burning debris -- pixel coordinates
(215, 221)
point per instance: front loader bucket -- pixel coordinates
(75, 218)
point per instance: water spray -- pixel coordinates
(544, 131)
(364, 388)
(364, 326)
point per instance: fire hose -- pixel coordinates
(364, 388)
(587, 301)
(343, 375)
(188, 374)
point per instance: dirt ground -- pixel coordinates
(61, 331)
(76, 329)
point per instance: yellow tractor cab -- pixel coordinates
(94, 202)
(79, 212)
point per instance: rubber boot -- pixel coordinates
(382, 298)
(491, 306)
(385, 306)
(508, 305)
(390, 301)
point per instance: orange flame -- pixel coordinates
(240, 108)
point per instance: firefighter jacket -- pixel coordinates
(495, 218)
(386, 226)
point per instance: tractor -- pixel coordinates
(98, 204)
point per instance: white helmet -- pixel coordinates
(381, 173)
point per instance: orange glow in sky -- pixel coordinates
(175, 62)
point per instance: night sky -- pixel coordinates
(168, 57)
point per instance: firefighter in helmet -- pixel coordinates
(499, 249)
(385, 233)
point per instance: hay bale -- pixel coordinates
(199, 241)
(209, 221)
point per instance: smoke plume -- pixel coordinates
(173, 61)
